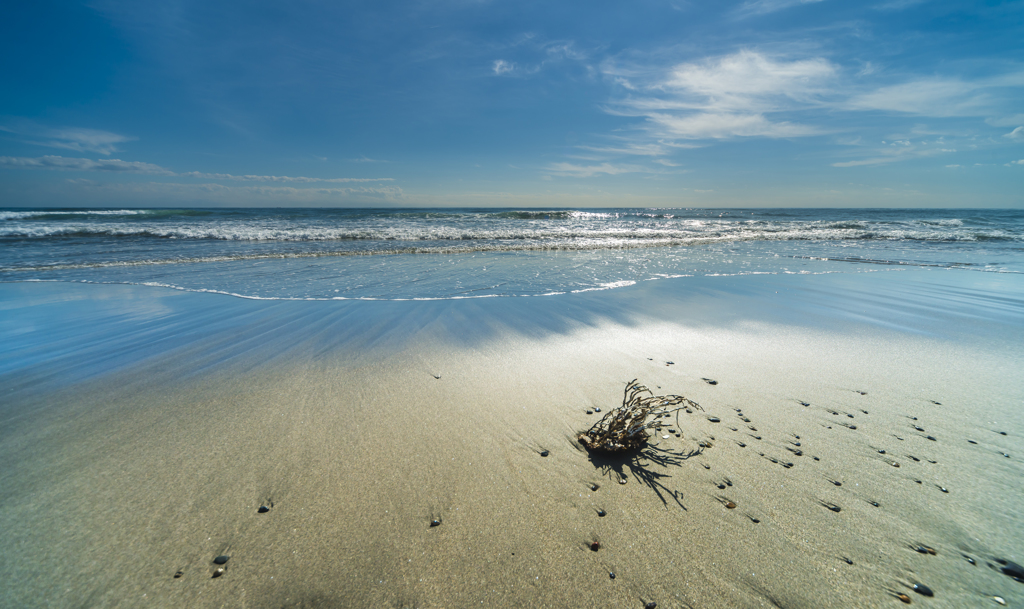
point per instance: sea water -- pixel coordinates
(403, 254)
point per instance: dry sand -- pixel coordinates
(144, 428)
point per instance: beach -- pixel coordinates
(144, 427)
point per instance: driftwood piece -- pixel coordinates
(625, 428)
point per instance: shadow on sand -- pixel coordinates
(639, 463)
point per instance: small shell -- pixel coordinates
(730, 504)
(218, 572)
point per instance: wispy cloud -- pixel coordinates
(1016, 135)
(119, 166)
(937, 97)
(899, 150)
(589, 171)
(731, 96)
(246, 195)
(69, 138)
(260, 178)
(754, 94)
(76, 164)
(534, 55)
(502, 67)
(762, 7)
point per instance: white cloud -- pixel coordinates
(117, 165)
(941, 97)
(898, 151)
(762, 7)
(254, 195)
(897, 5)
(1016, 135)
(260, 178)
(69, 138)
(722, 126)
(732, 96)
(588, 171)
(501, 67)
(76, 164)
(1020, 162)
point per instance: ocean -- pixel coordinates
(409, 254)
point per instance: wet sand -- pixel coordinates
(143, 428)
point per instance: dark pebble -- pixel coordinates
(816, 459)
(651, 605)
(710, 382)
(218, 572)
(1002, 433)
(932, 438)
(220, 560)
(925, 550)
(178, 574)
(595, 486)
(595, 546)
(1007, 455)
(881, 452)
(597, 410)
(611, 575)
(714, 419)
(590, 412)
(263, 509)
(742, 445)
(544, 453)
(903, 597)
(730, 504)
(874, 503)
(971, 442)
(923, 590)
(435, 522)
(1013, 570)
(754, 520)
(602, 513)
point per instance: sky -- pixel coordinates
(480, 103)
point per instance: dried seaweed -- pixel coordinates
(625, 428)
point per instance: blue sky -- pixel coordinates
(902, 103)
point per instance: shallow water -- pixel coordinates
(455, 253)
